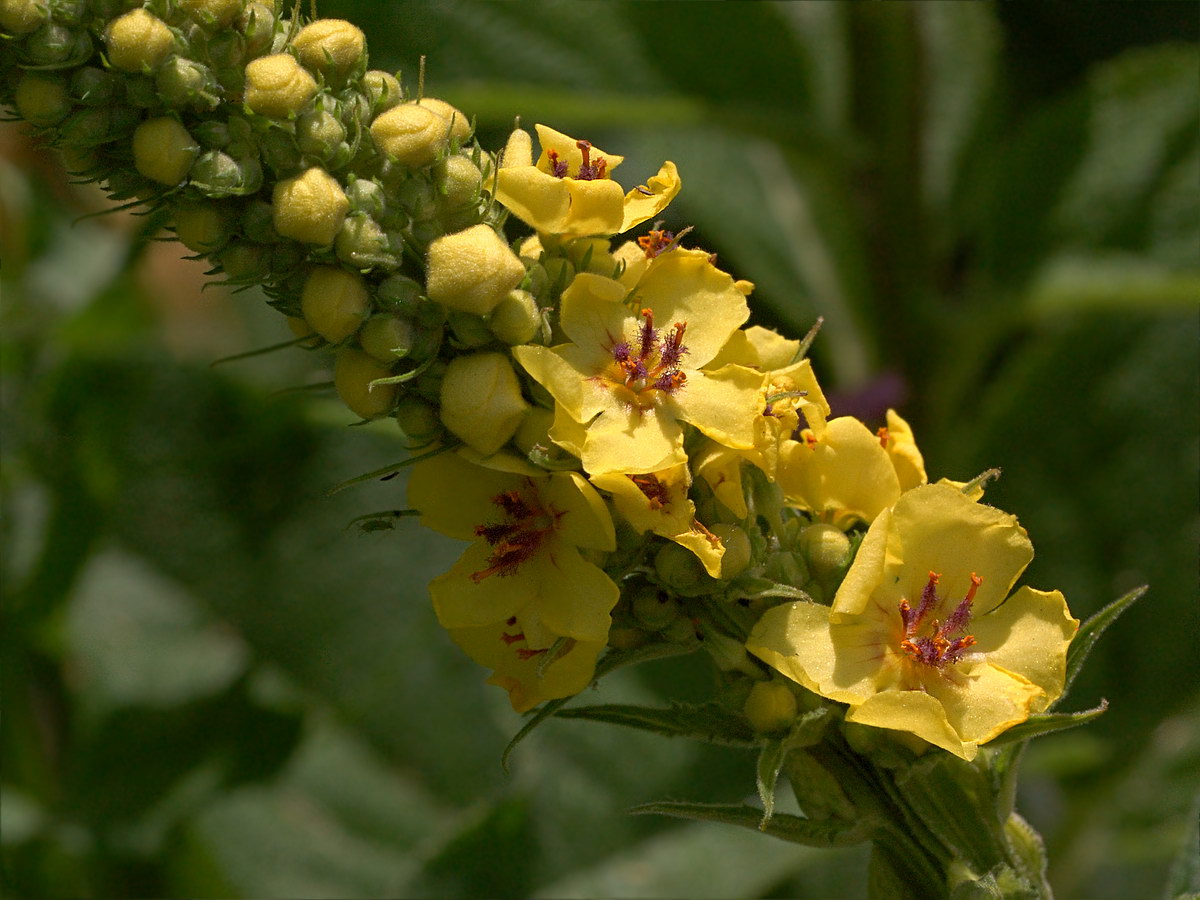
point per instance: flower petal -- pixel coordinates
(982, 705)
(646, 202)
(1028, 635)
(724, 404)
(915, 712)
(455, 496)
(584, 519)
(633, 442)
(558, 371)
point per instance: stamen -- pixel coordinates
(654, 490)
(558, 167)
(672, 349)
(516, 539)
(656, 242)
(647, 334)
(589, 171)
(883, 436)
(937, 649)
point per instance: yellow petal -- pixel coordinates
(633, 441)
(724, 404)
(902, 447)
(721, 467)
(915, 712)
(982, 705)
(1028, 635)
(454, 496)
(568, 151)
(593, 316)
(560, 372)
(583, 518)
(647, 201)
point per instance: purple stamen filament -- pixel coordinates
(939, 648)
(517, 538)
(654, 365)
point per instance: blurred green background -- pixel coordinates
(215, 685)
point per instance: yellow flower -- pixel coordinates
(525, 563)
(529, 675)
(624, 387)
(659, 502)
(848, 473)
(788, 391)
(569, 191)
(921, 637)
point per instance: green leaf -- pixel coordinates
(805, 732)
(797, 830)
(1090, 631)
(610, 662)
(1048, 723)
(1183, 879)
(709, 722)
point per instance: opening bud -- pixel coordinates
(481, 401)
(353, 372)
(387, 338)
(278, 86)
(415, 133)
(310, 207)
(472, 270)
(518, 151)
(770, 707)
(331, 46)
(163, 150)
(334, 302)
(138, 41)
(516, 319)
(42, 99)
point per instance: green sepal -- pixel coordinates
(387, 470)
(805, 732)
(708, 722)
(1047, 723)
(1090, 631)
(796, 830)
(611, 661)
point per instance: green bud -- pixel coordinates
(681, 631)
(626, 637)
(826, 549)
(280, 151)
(429, 383)
(400, 294)
(516, 319)
(42, 100)
(363, 244)
(243, 261)
(97, 125)
(654, 608)
(353, 372)
(257, 23)
(227, 54)
(185, 83)
(23, 16)
(680, 569)
(419, 198)
(212, 134)
(770, 707)
(319, 133)
(461, 182)
(383, 91)
(58, 46)
(737, 549)
(217, 174)
(418, 420)
(468, 330)
(387, 338)
(258, 223)
(201, 227)
(94, 87)
(426, 343)
(366, 196)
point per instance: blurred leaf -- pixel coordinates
(1183, 880)
(710, 722)
(1080, 284)
(809, 832)
(487, 859)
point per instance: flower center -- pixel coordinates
(655, 242)
(518, 537)
(588, 170)
(654, 490)
(937, 648)
(650, 362)
(517, 637)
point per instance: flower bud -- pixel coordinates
(737, 548)
(353, 372)
(468, 330)
(825, 548)
(258, 223)
(481, 401)
(243, 261)
(138, 40)
(331, 46)
(363, 244)
(301, 329)
(518, 151)
(472, 270)
(418, 420)
(534, 430)
(410, 134)
(163, 150)
(429, 383)
(217, 174)
(461, 181)
(310, 207)
(387, 338)
(318, 133)
(94, 87)
(23, 16)
(212, 13)
(516, 319)
(400, 294)
(770, 707)
(279, 151)
(679, 569)
(42, 99)
(626, 637)
(186, 83)
(383, 91)
(334, 302)
(278, 86)
(654, 608)
(58, 46)
(257, 25)
(459, 125)
(201, 227)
